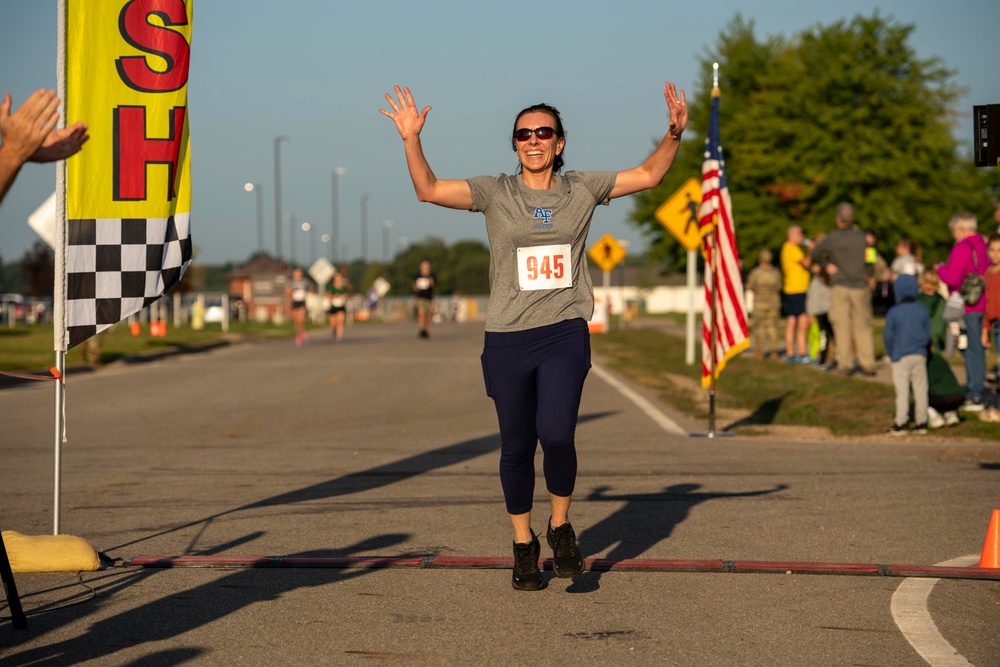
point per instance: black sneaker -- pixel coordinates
(896, 429)
(920, 429)
(566, 558)
(527, 576)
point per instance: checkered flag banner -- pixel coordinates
(126, 197)
(115, 267)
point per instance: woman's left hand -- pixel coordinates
(678, 109)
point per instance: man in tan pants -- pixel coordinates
(842, 252)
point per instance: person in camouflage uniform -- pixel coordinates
(765, 283)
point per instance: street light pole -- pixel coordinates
(401, 243)
(364, 227)
(386, 226)
(337, 173)
(256, 188)
(277, 194)
(291, 224)
(309, 229)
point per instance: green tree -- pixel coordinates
(38, 270)
(462, 267)
(468, 267)
(845, 112)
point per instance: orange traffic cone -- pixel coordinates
(135, 328)
(991, 547)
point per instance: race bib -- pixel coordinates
(544, 267)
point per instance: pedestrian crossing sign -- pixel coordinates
(607, 252)
(679, 214)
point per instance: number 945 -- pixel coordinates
(548, 267)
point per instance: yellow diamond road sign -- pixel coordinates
(607, 252)
(679, 214)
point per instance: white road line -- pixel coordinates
(909, 610)
(654, 413)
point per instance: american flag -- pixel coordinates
(724, 305)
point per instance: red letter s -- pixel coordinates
(156, 40)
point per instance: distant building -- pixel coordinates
(261, 284)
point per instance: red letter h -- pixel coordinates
(133, 151)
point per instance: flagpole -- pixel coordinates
(712, 283)
(59, 293)
(715, 292)
(713, 333)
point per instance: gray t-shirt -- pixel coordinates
(844, 248)
(518, 217)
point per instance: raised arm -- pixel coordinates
(28, 135)
(651, 172)
(409, 122)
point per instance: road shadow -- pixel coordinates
(15, 381)
(642, 522)
(178, 613)
(367, 480)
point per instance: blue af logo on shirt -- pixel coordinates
(545, 215)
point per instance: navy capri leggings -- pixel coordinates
(535, 378)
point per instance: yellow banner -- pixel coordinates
(126, 77)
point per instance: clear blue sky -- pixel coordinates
(317, 70)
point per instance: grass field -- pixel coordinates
(767, 392)
(23, 348)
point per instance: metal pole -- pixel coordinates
(60, 421)
(260, 218)
(621, 296)
(692, 270)
(60, 320)
(277, 194)
(364, 227)
(713, 336)
(310, 229)
(337, 173)
(386, 226)
(607, 298)
(291, 220)
(256, 189)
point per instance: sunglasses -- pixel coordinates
(542, 133)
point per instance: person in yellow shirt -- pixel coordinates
(795, 270)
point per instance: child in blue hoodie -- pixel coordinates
(907, 337)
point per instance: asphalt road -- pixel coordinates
(386, 445)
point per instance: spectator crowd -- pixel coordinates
(829, 290)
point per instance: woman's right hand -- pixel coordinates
(409, 122)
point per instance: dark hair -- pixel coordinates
(557, 164)
(993, 238)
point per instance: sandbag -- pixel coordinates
(50, 553)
